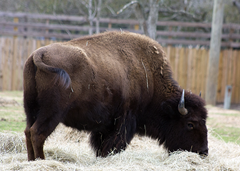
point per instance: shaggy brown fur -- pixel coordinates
(114, 84)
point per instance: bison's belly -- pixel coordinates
(89, 119)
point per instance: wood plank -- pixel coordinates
(4, 64)
(201, 72)
(189, 69)
(30, 46)
(229, 80)
(220, 89)
(1, 62)
(180, 66)
(172, 60)
(225, 73)
(15, 65)
(168, 51)
(198, 71)
(204, 66)
(185, 65)
(234, 70)
(176, 71)
(193, 89)
(20, 63)
(7, 64)
(238, 77)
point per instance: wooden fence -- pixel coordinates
(68, 27)
(189, 66)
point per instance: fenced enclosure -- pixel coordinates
(59, 27)
(189, 66)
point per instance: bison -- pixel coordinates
(113, 85)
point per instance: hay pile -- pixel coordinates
(67, 149)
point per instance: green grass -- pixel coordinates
(228, 134)
(12, 126)
(12, 118)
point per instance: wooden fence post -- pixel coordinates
(227, 97)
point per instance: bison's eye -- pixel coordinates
(190, 125)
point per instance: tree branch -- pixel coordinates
(237, 4)
(126, 6)
(181, 12)
(141, 17)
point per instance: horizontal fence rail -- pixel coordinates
(188, 65)
(58, 27)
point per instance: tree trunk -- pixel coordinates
(139, 13)
(237, 4)
(153, 18)
(215, 46)
(98, 15)
(90, 17)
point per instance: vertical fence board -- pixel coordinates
(176, 63)
(233, 76)
(172, 60)
(230, 64)
(198, 71)
(204, 59)
(180, 68)
(1, 63)
(225, 73)
(238, 78)
(220, 78)
(14, 63)
(189, 69)
(185, 65)
(194, 71)
(168, 50)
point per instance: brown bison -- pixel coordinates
(114, 85)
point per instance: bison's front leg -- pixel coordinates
(121, 134)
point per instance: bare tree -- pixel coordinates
(98, 15)
(147, 13)
(215, 45)
(147, 23)
(237, 4)
(90, 17)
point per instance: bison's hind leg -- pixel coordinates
(39, 133)
(30, 150)
(31, 110)
(49, 115)
(117, 138)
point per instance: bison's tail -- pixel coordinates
(30, 92)
(61, 75)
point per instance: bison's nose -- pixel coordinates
(204, 153)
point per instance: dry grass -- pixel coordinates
(67, 149)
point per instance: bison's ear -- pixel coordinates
(167, 110)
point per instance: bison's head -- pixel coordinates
(184, 124)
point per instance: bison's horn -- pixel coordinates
(200, 93)
(181, 105)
